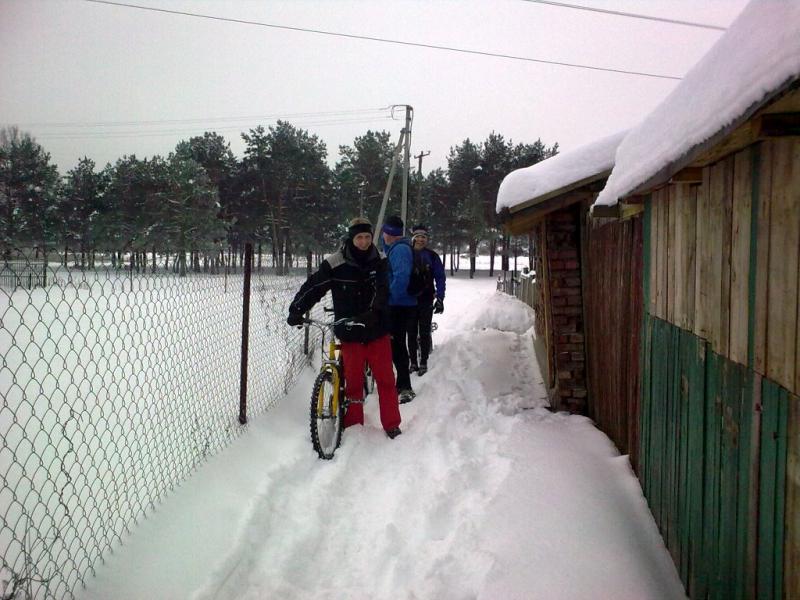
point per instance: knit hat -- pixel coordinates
(358, 225)
(419, 230)
(393, 226)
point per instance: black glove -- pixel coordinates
(369, 318)
(438, 308)
(294, 319)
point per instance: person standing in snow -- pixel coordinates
(425, 301)
(357, 276)
(403, 306)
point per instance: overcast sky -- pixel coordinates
(164, 77)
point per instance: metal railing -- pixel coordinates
(115, 386)
(22, 274)
(523, 286)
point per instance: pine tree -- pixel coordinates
(284, 175)
(189, 208)
(80, 203)
(362, 172)
(28, 188)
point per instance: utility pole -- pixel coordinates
(388, 189)
(419, 156)
(406, 164)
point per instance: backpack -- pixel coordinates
(421, 278)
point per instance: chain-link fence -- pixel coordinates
(116, 384)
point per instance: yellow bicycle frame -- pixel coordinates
(334, 363)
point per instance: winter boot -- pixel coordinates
(423, 368)
(393, 433)
(406, 396)
(413, 367)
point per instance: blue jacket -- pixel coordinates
(437, 268)
(401, 261)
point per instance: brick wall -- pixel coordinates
(563, 255)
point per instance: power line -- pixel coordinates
(65, 135)
(386, 40)
(362, 111)
(619, 13)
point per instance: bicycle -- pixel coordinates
(328, 399)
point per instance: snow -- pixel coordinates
(485, 495)
(75, 416)
(558, 172)
(756, 56)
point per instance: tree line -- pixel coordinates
(196, 208)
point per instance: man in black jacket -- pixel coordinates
(357, 277)
(425, 301)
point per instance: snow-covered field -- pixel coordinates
(485, 495)
(114, 388)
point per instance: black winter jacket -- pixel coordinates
(360, 292)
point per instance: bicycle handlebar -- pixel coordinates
(346, 321)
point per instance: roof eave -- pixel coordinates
(701, 155)
(559, 192)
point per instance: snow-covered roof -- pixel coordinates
(559, 172)
(758, 55)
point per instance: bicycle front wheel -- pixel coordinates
(327, 412)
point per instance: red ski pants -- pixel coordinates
(378, 354)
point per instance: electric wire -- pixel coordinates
(65, 135)
(620, 13)
(201, 120)
(388, 41)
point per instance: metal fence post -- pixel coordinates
(248, 260)
(308, 314)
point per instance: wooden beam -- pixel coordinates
(688, 175)
(603, 211)
(741, 137)
(631, 210)
(617, 212)
(522, 221)
(779, 125)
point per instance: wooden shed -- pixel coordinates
(587, 287)
(717, 169)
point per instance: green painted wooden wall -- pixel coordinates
(713, 456)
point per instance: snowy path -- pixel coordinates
(485, 495)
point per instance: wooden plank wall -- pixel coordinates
(613, 297)
(726, 258)
(723, 265)
(791, 560)
(772, 508)
(784, 263)
(719, 464)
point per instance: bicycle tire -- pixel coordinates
(369, 381)
(326, 421)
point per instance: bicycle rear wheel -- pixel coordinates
(327, 412)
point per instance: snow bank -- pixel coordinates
(499, 311)
(557, 172)
(757, 55)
